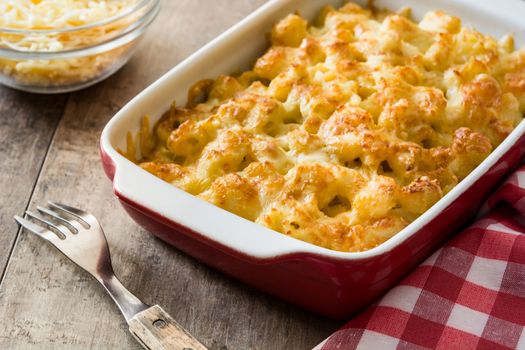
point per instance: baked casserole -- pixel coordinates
(346, 129)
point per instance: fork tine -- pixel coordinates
(73, 226)
(61, 229)
(83, 216)
(37, 230)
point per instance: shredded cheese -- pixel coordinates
(57, 14)
(38, 15)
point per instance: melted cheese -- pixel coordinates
(345, 131)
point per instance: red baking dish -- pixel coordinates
(330, 283)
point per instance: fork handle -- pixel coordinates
(155, 329)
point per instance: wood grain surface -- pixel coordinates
(156, 330)
(49, 150)
(27, 125)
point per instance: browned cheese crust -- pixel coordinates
(345, 130)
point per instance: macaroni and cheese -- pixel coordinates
(346, 129)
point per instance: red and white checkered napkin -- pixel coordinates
(469, 294)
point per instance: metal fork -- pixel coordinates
(79, 236)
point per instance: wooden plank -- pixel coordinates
(27, 124)
(48, 303)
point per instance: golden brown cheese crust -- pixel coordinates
(347, 130)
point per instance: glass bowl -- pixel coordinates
(72, 58)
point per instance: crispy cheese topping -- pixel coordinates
(344, 131)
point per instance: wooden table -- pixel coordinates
(49, 150)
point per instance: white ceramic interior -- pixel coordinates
(238, 48)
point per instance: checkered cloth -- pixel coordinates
(469, 294)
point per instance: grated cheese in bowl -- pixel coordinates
(56, 14)
(64, 45)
